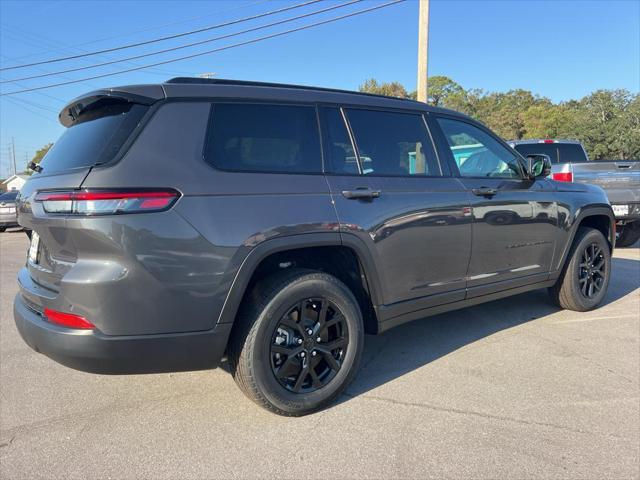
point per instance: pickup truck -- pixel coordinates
(619, 178)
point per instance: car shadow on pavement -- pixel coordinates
(408, 347)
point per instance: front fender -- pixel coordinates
(582, 213)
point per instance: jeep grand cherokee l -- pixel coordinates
(176, 223)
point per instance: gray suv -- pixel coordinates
(176, 224)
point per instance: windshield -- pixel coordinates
(558, 152)
(95, 137)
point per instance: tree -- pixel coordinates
(391, 89)
(40, 153)
(443, 91)
(607, 122)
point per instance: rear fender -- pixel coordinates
(269, 247)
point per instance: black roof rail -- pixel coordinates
(249, 83)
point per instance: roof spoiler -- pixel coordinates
(140, 94)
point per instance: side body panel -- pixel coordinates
(172, 271)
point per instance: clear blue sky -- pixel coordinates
(559, 49)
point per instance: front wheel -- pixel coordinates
(628, 234)
(297, 342)
(585, 277)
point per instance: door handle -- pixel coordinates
(484, 191)
(362, 193)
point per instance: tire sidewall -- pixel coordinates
(309, 286)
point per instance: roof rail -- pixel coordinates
(224, 81)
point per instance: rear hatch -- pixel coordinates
(621, 179)
(99, 126)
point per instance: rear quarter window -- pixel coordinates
(95, 137)
(264, 138)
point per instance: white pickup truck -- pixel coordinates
(619, 178)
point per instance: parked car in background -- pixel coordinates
(278, 223)
(619, 178)
(8, 216)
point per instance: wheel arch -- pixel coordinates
(599, 217)
(304, 250)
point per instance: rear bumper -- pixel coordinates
(8, 220)
(92, 351)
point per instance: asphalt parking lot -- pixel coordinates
(511, 389)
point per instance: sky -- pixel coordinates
(561, 49)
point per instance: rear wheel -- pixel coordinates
(584, 280)
(2, 229)
(628, 234)
(297, 343)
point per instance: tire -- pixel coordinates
(628, 234)
(276, 301)
(569, 290)
(2, 229)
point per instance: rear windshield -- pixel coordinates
(8, 196)
(95, 137)
(559, 152)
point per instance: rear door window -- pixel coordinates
(95, 137)
(392, 143)
(264, 138)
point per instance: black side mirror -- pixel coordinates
(538, 165)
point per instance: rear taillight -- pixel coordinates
(106, 202)
(68, 320)
(563, 176)
(548, 140)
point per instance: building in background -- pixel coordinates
(14, 182)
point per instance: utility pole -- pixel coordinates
(423, 50)
(13, 149)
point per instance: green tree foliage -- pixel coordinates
(40, 153)
(607, 122)
(444, 90)
(391, 89)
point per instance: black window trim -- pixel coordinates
(343, 107)
(213, 101)
(449, 155)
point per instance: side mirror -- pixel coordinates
(538, 165)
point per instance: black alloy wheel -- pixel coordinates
(592, 272)
(309, 345)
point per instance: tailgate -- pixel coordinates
(621, 180)
(98, 128)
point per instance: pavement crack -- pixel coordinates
(488, 416)
(6, 444)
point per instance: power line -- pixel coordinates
(15, 101)
(161, 39)
(135, 32)
(188, 45)
(226, 47)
